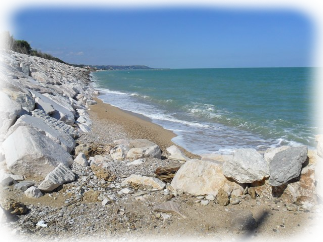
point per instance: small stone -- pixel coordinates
(146, 181)
(42, 224)
(106, 201)
(33, 192)
(210, 197)
(200, 197)
(60, 175)
(24, 185)
(205, 202)
(252, 192)
(81, 159)
(136, 162)
(125, 191)
(17, 177)
(103, 173)
(222, 198)
(234, 200)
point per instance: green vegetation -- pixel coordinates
(22, 46)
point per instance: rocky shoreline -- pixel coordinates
(67, 172)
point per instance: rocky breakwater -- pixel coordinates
(285, 173)
(43, 109)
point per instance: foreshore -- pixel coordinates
(131, 125)
(74, 167)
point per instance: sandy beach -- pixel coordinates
(119, 124)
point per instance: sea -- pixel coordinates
(219, 110)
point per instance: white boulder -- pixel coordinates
(60, 175)
(30, 152)
(33, 192)
(199, 177)
(9, 111)
(60, 137)
(176, 154)
(246, 166)
(60, 113)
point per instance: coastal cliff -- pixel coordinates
(55, 184)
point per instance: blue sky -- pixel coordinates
(169, 37)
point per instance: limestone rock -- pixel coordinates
(25, 68)
(166, 174)
(199, 177)
(24, 185)
(84, 149)
(66, 141)
(303, 191)
(144, 152)
(246, 166)
(29, 152)
(4, 175)
(145, 181)
(135, 149)
(319, 147)
(45, 106)
(8, 181)
(3, 216)
(287, 165)
(26, 100)
(81, 159)
(55, 124)
(91, 196)
(103, 173)
(60, 175)
(33, 192)
(60, 113)
(222, 198)
(118, 152)
(14, 207)
(176, 154)
(271, 152)
(136, 162)
(9, 111)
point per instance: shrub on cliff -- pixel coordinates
(21, 46)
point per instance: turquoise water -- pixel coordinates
(218, 110)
